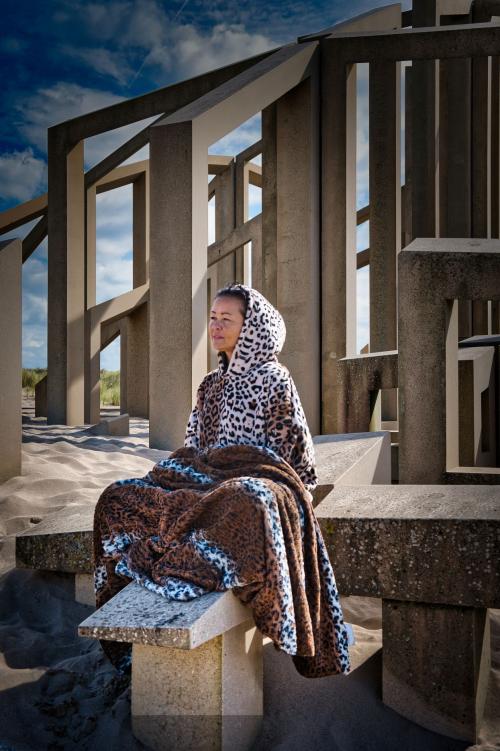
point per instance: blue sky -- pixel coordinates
(61, 58)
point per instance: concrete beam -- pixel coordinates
(25, 212)
(166, 100)
(35, 237)
(464, 40)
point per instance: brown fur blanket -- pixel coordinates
(227, 517)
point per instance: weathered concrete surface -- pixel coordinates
(358, 381)
(207, 698)
(432, 275)
(84, 589)
(436, 665)
(116, 425)
(351, 459)
(61, 542)
(137, 615)
(398, 542)
(10, 358)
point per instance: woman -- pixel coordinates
(251, 398)
(232, 508)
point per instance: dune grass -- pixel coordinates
(30, 378)
(110, 387)
(110, 384)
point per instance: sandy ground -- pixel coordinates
(59, 691)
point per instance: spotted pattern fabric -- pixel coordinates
(252, 399)
(229, 517)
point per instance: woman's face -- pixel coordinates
(226, 320)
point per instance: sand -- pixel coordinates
(59, 691)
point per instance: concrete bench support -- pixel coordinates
(197, 670)
(431, 553)
(436, 665)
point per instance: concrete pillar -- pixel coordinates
(124, 379)
(90, 291)
(481, 170)
(136, 363)
(136, 349)
(257, 262)
(495, 146)
(225, 221)
(209, 698)
(178, 285)
(338, 240)
(298, 273)
(269, 205)
(10, 359)
(140, 229)
(407, 205)
(94, 367)
(385, 202)
(41, 398)
(424, 132)
(66, 281)
(436, 664)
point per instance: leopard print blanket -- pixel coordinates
(235, 517)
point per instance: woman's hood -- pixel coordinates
(261, 338)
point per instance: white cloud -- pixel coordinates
(22, 175)
(195, 51)
(54, 104)
(103, 61)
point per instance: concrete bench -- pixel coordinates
(432, 553)
(63, 540)
(197, 671)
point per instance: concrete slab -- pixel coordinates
(61, 542)
(424, 543)
(139, 616)
(351, 459)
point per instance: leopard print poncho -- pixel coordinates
(253, 399)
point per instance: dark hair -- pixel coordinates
(235, 290)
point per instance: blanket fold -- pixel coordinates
(233, 517)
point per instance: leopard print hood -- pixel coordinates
(261, 338)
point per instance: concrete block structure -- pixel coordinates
(197, 679)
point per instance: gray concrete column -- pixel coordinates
(257, 262)
(123, 365)
(225, 221)
(136, 363)
(140, 229)
(436, 665)
(385, 202)
(66, 281)
(10, 358)
(178, 284)
(136, 347)
(407, 204)
(90, 291)
(422, 378)
(269, 204)
(298, 260)
(424, 132)
(338, 241)
(495, 146)
(481, 170)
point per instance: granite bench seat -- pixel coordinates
(63, 540)
(197, 672)
(432, 553)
